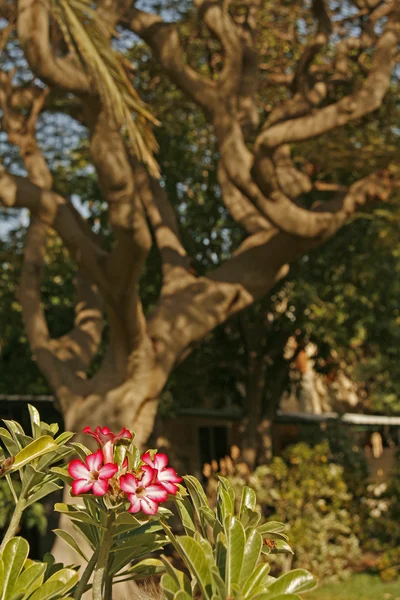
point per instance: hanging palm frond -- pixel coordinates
(88, 36)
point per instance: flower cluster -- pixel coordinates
(145, 488)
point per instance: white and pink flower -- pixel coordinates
(143, 494)
(107, 439)
(91, 474)
(165, 476)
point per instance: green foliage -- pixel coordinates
(307, 490)
(33, 456)
(225, 550)
(33, 518)
(380, 512)
(25, 579)
(389, 565)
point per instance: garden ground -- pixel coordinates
(359, 587)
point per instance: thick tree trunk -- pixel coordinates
(254, 409)
(129, 406)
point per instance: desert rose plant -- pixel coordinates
(122, 520)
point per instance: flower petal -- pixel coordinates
(108, 451)
(146, 458)
(78, 470)
(160, 461)
(128, 483)
(80, 486)
(108, 471)
(148, 506)
(169, 475)
(171, 488)
(88, 430)
(156, 493)
(135, 506)
(100, 487)
(94, 460)
(104, 434)
(123, 434)
(148, 475)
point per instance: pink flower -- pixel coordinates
(91, 476)
(107, 439)
(167, 477)
(142, 493)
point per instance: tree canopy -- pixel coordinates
(276, 126)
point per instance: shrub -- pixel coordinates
(307, 490)
(389, 565)
(225, 550)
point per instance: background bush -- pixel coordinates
(307, 489)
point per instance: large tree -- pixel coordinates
(267, 78)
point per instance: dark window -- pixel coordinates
(213, 443)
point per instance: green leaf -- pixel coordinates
(271, 527)
(258, 577)
(76, 514)
(81, 450)
(14, 428)
(281, 547)
(14, 556)
(29, 580)
(227, 487)
(236, 538)
(185, 510)
(169, 586)
(35, 421)
(127, 519)
(180, 578)
(209, 515)
(12, 446)
(33, 451)
(182, 595)
(225, 506)
(275, 536)
(62, 473)
(44, 490)
(196, 562)
(219, 583)
(53, 457)
(248, 500)
(221, 552)
(120, 454)
(70, 540)
(64, 437)
(250, 518)
(133, 554)
(298, 580)
(1, 577)
(198, 497)
(57, 585)
(252, 552)
(143, 569)
(143, 541)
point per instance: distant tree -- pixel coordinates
(249, 85)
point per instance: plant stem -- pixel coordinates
(10, 485)
(108, 587)
(100, 573)
(15, 521)
(86, 575)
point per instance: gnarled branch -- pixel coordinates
(163, 39)
(34, 37)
